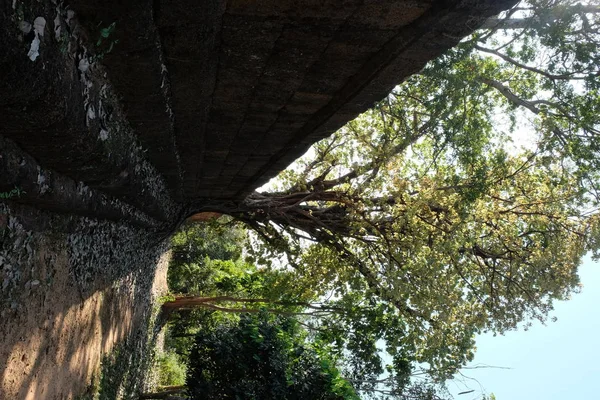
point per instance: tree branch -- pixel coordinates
(566, 76)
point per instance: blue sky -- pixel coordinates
(558, 361)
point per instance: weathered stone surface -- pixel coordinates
(186, 103)
(291, 73)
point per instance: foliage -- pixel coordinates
(121, 371)
(196, 248)
(171, 370)
(104, 43)
(181, 329)
(205, 261)
(262, 357)
(15, 192)
(424, 221)
(239, 288)
(231, 287)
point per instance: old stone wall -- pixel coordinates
(147, 110)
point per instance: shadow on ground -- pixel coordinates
(70, 299)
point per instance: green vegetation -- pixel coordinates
(123, 370)
(262, 357)
(171, 370)
(104, 43)
(225, 350)
(16, 192)
(120, 372)
(193, 250)
(421, 223)
(423, 212)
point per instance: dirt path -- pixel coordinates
(65, 305)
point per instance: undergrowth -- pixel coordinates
(171, 370)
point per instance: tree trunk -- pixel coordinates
(187, 302)
(191, 302)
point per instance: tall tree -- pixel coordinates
(429, 207)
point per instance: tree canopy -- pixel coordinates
(461, 203)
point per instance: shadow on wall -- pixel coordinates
(68, 299)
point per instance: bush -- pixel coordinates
(171, 370)
(262, 357)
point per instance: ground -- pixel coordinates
(66, 309)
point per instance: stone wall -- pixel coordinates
(145, 110)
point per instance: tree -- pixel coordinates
(424, 211)
(202, 262)
(231, 288)
(193, 250)
(262, 357)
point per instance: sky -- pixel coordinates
(558, 361)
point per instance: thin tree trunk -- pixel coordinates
(191, 302)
